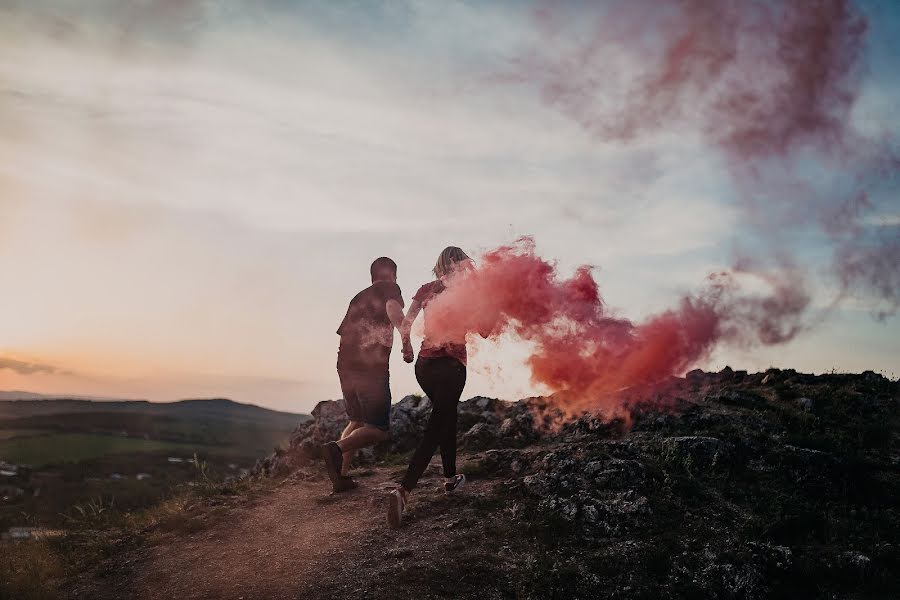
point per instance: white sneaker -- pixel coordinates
(396, 506)
(454, 485)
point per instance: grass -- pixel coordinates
(74, 447)
(29, 571)
(218, 434)
(97, 531)
(8, 434)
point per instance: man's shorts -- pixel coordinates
(367, 396)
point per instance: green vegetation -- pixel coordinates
(42, 450)
(43, 569)
(29, 571)
(8, 434)
(77, 453)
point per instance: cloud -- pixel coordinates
(30, 368)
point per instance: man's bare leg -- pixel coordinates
(348, 455)
(364, 436)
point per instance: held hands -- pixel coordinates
(407, 351)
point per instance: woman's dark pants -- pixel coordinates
(442, 379)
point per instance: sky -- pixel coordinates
(191, 192)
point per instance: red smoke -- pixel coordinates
(770, 85)
(583, 351)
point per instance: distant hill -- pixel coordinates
(47, 431)
(219, 409)
(15, 395)
(19, 395)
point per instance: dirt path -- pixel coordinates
(300, 542)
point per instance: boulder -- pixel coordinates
(480, 436)
(726, 375)
(696, 454)
(695, 377)
(408, 420)
(518, 428)
(804, 404)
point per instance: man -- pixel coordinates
(367, 335)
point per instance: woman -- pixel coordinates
(441, 372)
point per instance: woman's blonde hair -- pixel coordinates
(447, 258)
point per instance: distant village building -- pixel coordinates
(27, 533)
(20, 533)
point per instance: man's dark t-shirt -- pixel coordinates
(366, 331)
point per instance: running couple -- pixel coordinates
(367, 334)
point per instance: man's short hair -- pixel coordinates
(383, 268)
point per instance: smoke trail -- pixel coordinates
(583, 351)
(770, 85)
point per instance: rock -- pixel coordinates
(518, 429)
(695, 377)
(480, 410)
(856, 559)
(804, 457)
(482, 423)
(329, 418)
(736, 397)
(726, 375)
(771, 377)
(804, 404)
(505, 461)
(615, 473)
(696, 453)
(872, 376)
(629, 503)
(667, 503)
(408, 420)
(480, 436)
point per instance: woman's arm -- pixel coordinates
(414, 308)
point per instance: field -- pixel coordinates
(6, 434)
(42, 450)
(70, 453)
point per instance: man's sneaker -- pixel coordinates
(454, 485)
(334, 459)
(344, 484)
(396, 505)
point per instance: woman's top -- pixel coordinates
(429, 348)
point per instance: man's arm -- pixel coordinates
(405, 328)
(395, 314)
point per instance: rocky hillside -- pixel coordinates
(766, 485)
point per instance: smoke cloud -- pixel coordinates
(583, 351)
(770, 85)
